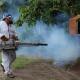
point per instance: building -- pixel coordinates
(74, 25)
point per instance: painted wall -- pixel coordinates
(73, 25)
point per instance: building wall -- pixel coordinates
(73, 25)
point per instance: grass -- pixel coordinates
(21, 62)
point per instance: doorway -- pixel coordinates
(78, 26)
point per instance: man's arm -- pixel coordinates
(3, 36)
(15, 37)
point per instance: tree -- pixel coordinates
(37, 10)
(45, 10)
(3, 6)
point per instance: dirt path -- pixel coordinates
(76, 69)
(42, 70)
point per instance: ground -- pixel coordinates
(41, 70)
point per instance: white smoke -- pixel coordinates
(61, 46)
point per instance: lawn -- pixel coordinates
(21, 62)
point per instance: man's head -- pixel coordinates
(8, 18)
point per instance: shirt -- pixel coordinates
(6, 30)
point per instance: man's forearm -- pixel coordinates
(15, 37)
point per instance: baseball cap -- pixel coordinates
(7, 15)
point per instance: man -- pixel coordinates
(7, 34)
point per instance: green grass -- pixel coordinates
(21, 62)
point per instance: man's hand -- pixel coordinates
(14, 37)
(3, 38)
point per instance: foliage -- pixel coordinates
(46, 10)
(3, 6)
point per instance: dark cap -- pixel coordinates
(7, 15)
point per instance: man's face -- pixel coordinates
(10, 20)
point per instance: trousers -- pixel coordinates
(8, 57)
